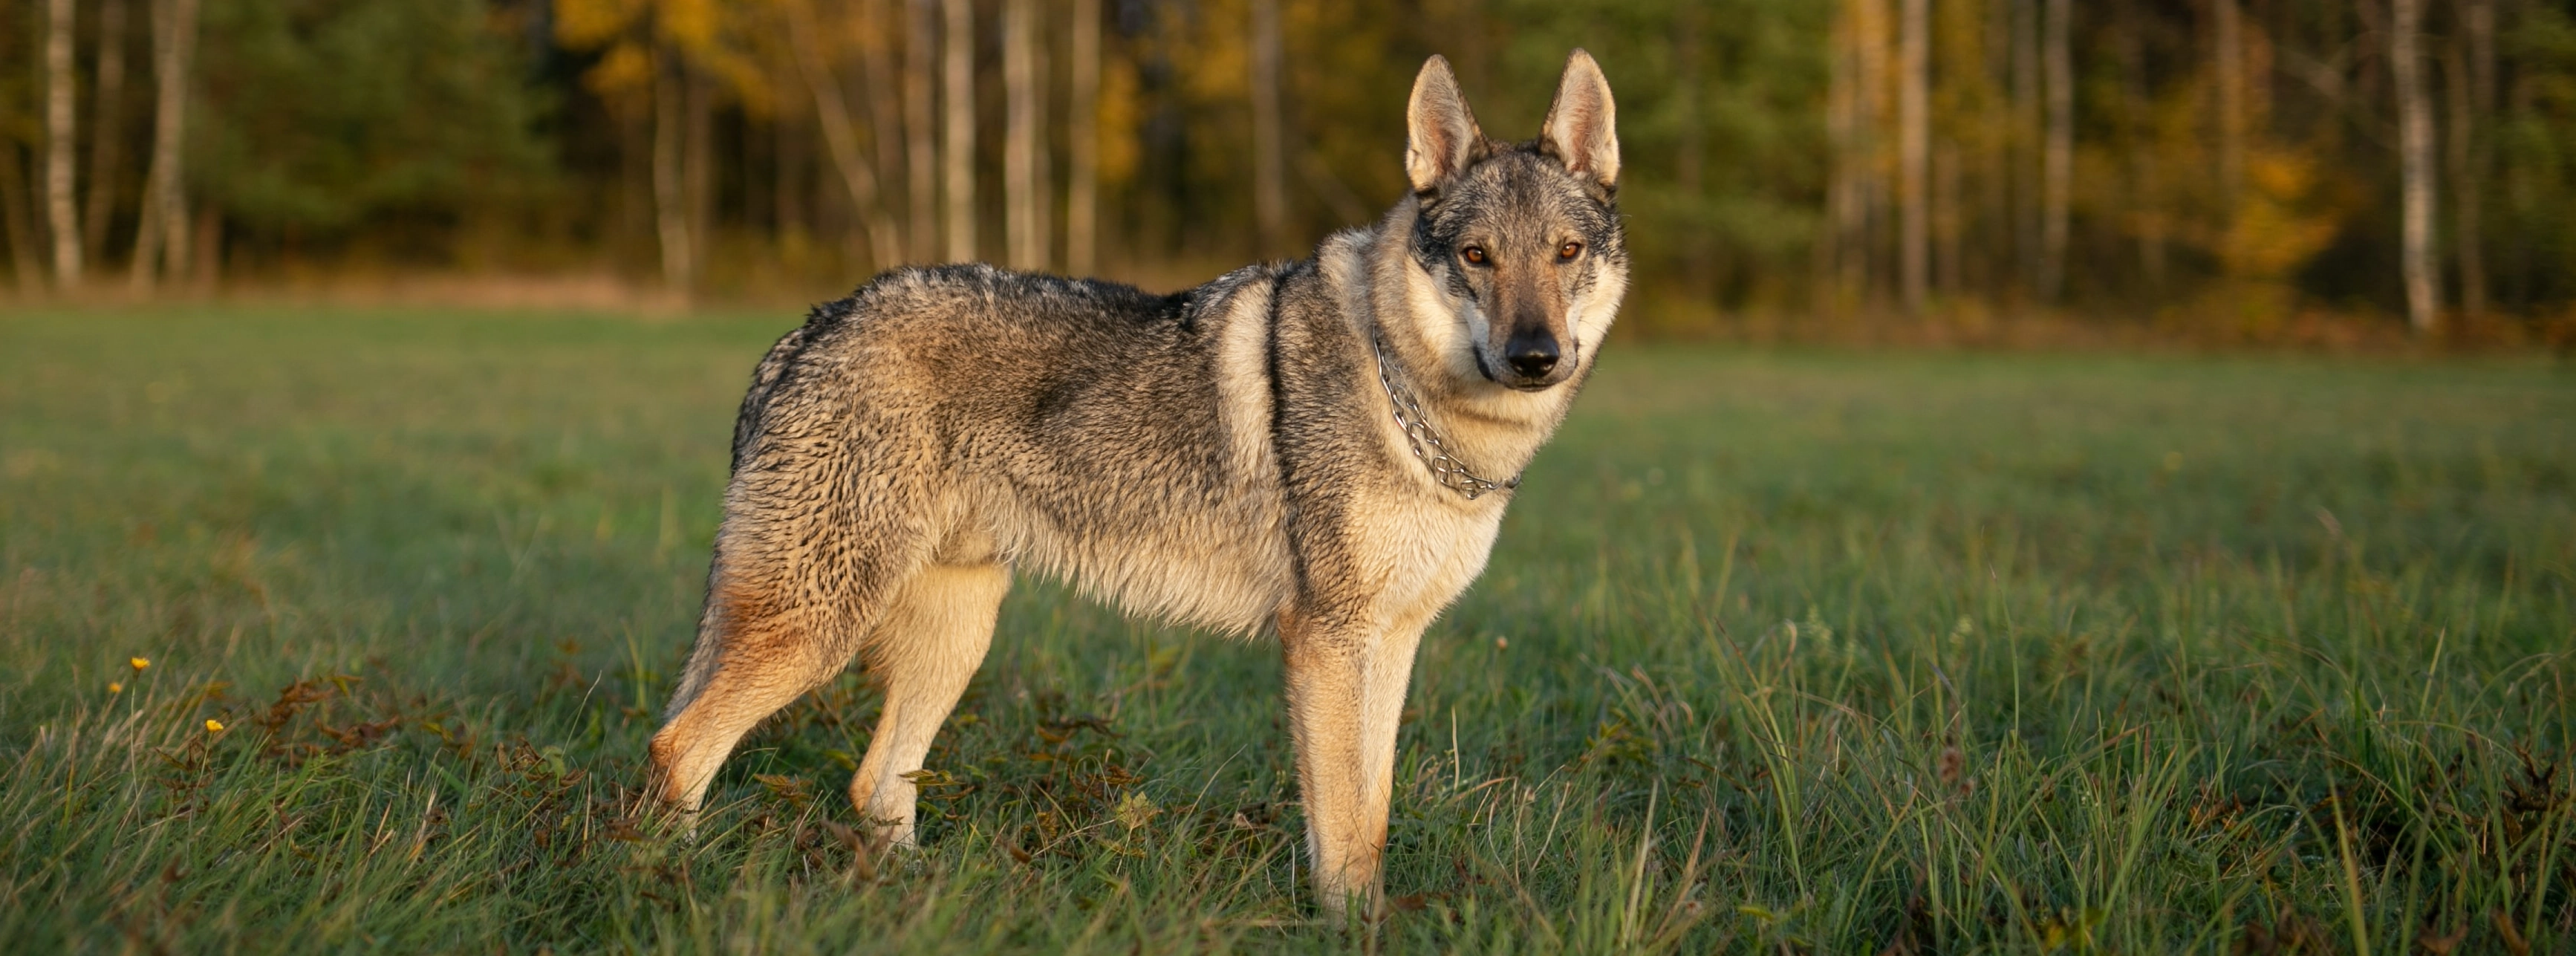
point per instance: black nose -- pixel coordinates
(1533, 355)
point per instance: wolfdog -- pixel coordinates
(1321, 447)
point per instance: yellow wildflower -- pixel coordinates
(214, 726)
(115, 688)
(139, 662)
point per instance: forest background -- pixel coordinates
(2269, 171)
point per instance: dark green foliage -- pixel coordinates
(321, 117)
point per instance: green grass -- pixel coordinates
(1779, 651)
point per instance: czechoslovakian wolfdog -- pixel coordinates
(1323, 446)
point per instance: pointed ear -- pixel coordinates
(1582, 127)
(1440, 136)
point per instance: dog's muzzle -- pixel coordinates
(1530, 362)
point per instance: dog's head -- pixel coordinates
(1522, 239)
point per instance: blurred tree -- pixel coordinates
(2221, 167)
(2415, 160)
(161, 241)
(1082, 146)
(319, 115)
(62, 216)
(858, 176)
(107, 130)
(957, 98)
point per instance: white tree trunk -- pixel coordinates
(2415, 158)
(62, 211)
(1082, 182)
(959, 97)
(161, 243)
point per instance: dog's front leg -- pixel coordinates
(1346, 687)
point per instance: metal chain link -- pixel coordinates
(1445, 468)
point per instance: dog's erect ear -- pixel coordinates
(1582, 128)
(1440, 136)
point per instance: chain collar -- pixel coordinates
(1445, 468)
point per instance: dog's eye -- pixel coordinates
(1473, 254)
(1569, 250)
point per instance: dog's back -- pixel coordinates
(1083, 429)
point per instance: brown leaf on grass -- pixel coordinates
(2441, 945)
(863, 863)
(1413, 902)
(2513, 941)
(795, 791)
(2293, 934)
(1011, 844)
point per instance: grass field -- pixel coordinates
(1779, 652)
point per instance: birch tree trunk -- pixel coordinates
(161, 241)
(1914, 152)
(841, 137)
(62, 219)
(959, 101)
(1082, 181)
(1269, 173)
(2057, 181)
(1023, 195)
(920, 134)
(670, 203)
(2415, 159)
(106, 137)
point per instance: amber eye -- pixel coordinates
(1569, 250)
(1474, 254)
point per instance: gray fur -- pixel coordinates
(1223, 456)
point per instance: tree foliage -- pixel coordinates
(320, 117)
(2229, 165)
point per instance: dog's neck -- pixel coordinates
(1428, 337)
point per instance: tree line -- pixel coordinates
(2221, 165)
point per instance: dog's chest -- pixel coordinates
(1425, 554)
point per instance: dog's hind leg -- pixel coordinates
(922, 652)
(812, 553)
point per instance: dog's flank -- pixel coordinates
(1229, 456)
